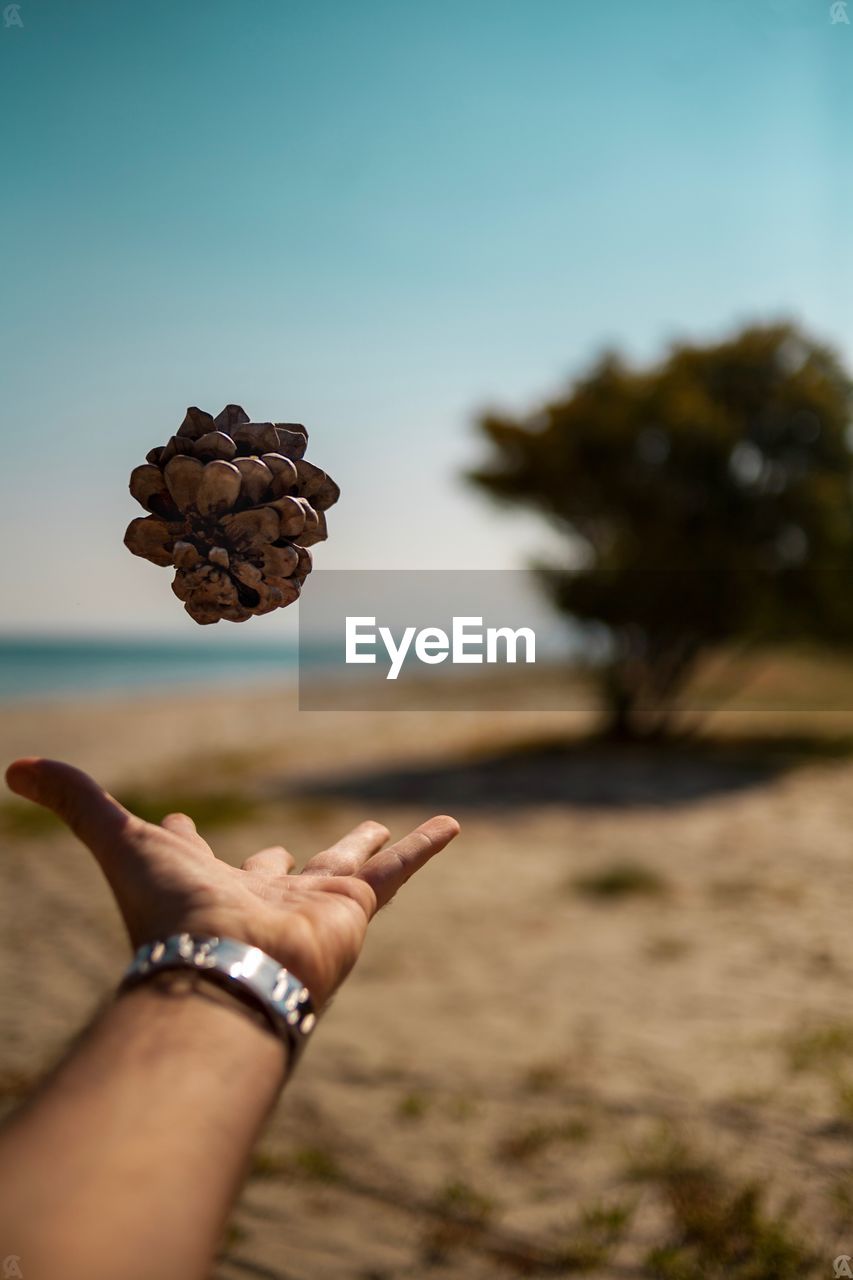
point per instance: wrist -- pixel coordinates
(179, 984)
(271, 992)
(192, 1018)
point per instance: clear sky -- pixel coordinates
(376, 217)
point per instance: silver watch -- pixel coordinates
(248, 971)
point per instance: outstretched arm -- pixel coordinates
(126, 1162)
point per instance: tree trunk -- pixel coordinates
(641, 692)
(620, 702)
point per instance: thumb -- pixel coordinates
(93, 815)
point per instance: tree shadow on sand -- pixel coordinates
(577, 774)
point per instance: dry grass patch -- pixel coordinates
(620, 880)
(718, 1226)
(414, 1105)
(823, 1049)
(524, 1144)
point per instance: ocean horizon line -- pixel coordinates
(39, 666)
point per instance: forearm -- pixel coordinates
(126, 1166)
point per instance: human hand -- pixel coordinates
(166, 879)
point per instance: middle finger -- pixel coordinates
(346, 855)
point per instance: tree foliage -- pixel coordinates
(711, 498)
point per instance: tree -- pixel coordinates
(710, 498)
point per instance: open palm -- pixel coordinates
(166, 879)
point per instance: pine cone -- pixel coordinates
(235, 507)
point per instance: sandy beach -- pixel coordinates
(631, 974)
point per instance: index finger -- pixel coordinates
(388, 871)
(93, 815)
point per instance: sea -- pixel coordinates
(46, 668)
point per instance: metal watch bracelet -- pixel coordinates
(249, 972)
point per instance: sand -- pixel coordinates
(517, 1046)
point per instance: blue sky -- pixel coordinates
(376, 217)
